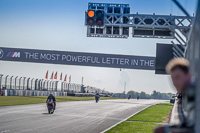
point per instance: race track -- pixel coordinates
(69, 117)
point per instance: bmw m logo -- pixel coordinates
(1, 53)
(13, 54)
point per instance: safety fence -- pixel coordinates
(9, 92)
(25, 86)
(25, 83)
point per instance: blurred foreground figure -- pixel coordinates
(178, 68)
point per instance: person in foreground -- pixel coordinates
(178, 68)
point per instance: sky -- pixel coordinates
(59, 25)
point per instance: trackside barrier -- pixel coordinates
(9, 92)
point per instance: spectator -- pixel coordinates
(178, 68)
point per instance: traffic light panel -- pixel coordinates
(90, 17)
(99, 17)
(95, 18)
(107, 20)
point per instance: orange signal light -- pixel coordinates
(90, 13)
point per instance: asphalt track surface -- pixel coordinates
(69, 117)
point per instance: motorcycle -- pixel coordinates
(50, 106)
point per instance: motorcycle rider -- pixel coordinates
(138, 97)
(54, 100)
(97, 96)
(129, 97)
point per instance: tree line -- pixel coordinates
(143, 95)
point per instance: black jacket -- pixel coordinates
(51, 97)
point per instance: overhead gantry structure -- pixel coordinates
(115, 21)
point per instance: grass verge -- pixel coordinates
(21, 100)
(156, 113)
(145, 121)
(134, 127)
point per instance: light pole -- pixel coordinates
(20, 82)
(1, 75)
(6, 81)
(51, 85)
(36, 84)
(11, 82)
(16, 82)
(57, 85)
(124, 89)
(62, 86)
(41, 84)
(68, 87)
(47, 85)
(65, 86)
(28, 83)
(82, 80)
(74, 87)
(44, 84)
(24, 83)
(32, 84)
